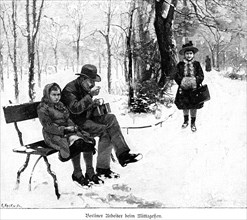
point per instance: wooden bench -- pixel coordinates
(22, 112)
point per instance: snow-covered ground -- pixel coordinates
(179, 169)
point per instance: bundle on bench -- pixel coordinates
(22, 112)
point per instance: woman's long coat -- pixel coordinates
(183, 97)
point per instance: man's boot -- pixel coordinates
(127, 157)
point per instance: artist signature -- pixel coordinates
(10, 206)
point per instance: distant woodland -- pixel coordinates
(138, 39)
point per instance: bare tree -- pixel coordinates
(65, 50)
(210, 14)
(21, 61)
(76, 15)
(32, 28)
(164, 16)
(124, 37)
(1, 66)
(54, 31)
(12, 51)
(39, 62)
(77, 40)
(130, 52)
(106, 35)
(41, 49)
(118, 46)
(142, 38)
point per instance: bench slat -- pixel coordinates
(38, 148)
(15, 113)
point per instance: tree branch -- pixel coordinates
(124, 30)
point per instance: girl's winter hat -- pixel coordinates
(46, 92)
(188, 47)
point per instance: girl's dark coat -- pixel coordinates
(54, 118)
(182, 99)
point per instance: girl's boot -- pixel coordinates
(186, 121)
(193, 124)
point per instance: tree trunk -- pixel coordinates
(213, 59)
(14, 16)
(78, 45)
(73, 65)
(117, 72)
(129, 52)
(185, 30)
(99, 64)
(31, 82)
(8, 68)
(21, 65)
(142, 38)
(77, 54)
(32, 30)
(1, 67)
(109, 64)
(224, 60)
(164, 31)
(218, 57)
(109, 48)
(39, 68)
(139, 39)
(108, 44)
(29, 52)
(55, 57)
(125, 64)
(12, 52)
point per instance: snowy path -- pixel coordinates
(206, 168)
(179, 168)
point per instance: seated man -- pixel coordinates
(78, 97)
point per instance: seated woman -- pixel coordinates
(62, 134)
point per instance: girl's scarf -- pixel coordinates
(60, 107)
(188, 68)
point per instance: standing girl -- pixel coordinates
(189, 75)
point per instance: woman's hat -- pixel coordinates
(90, 71)
(188, 47)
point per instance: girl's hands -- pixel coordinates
(188, 83)
(70, 129)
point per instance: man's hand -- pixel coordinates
(98, 101)
(95, 91)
